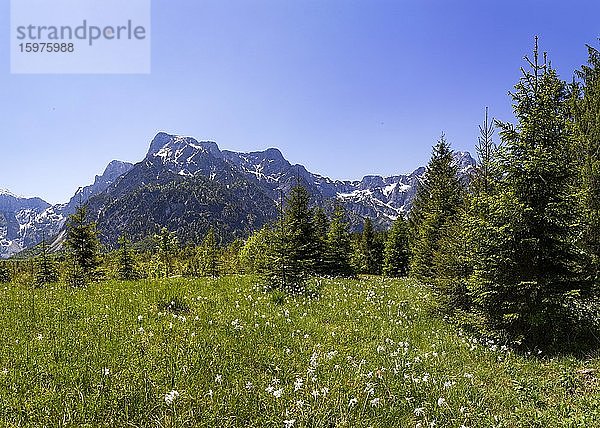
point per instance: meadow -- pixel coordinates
(223, 353)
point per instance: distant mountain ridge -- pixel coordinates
(189, 185)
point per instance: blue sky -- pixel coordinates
(347, 88)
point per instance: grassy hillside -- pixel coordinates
(221, 353)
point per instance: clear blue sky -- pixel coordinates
(347, 88)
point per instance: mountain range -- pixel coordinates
(188, 186)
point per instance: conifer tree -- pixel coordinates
(126, 267)
(586, 114)
(436, 203)
(46, 270)
(83, 245)
(368, 248)
(525, 264)
(293, 252)
(396, 254)
(321, 227)
(338, 248)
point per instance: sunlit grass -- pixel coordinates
(222, 353)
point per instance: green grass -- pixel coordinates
(365, 353)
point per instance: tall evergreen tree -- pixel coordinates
(396, 254)
(587, 127)
(338, 248)
(525, 261)
(293, 255)
(46, 270)
(321, 227)
(436, 203)
(368, 250)
(126, 265)
(84, 247)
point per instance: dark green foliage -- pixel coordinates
(586, 114)
(83, 247)
(126, 268)
(293, 245)
(321, 228)
(436, 204)
(46, 269)
(4, 273)
(522, 231)
(396, 254)
(338, 249)
(368, 248)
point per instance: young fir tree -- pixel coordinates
(526, 267)
(321, 227)
(436, 203)
(338, 247)
(210, 254)
(370, 249)
(5, 276)
(396, 254)
(586, 114)
(46, 270)
(83, 246)
(126, 264)
(454, 259)
(293, 252)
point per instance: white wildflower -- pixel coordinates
(171, 396)
(298, 384)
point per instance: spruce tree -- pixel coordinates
(321, 227)
(293, 254)
(396, 254)
(586, 113)
(83, 246)
(368, 248)
(126, 267)
(436, 203)
(338, 248)
(46, 270)
(525, 264)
